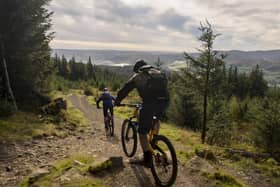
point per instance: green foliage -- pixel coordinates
(258, 86)
(223, 180)
(74, 75)
(90, 70)
(76, 117)
(234, 108)
(60, 168)
(25, 37)
(203, 70)
(6, 108)
(22, 125)
(183, 109)
(88, 91)
(220, 125)
(269, 168)
(266, 115)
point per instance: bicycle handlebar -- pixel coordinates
(131, 105)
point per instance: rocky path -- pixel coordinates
(25, 157)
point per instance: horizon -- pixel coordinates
(131, 50)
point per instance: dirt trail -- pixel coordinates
(28, 156)
(131, 175)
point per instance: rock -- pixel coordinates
(206, 154)
(54, 107)
(112, 164)
(70, 174)
(39, 173)
(197, 164)
(19, 155)
(9, 168)
(76, 162)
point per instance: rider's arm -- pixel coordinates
(113, 98)
(98, 100)
(128, 87)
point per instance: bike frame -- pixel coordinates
(136, 114)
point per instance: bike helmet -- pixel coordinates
(139, 63)
(105, 89)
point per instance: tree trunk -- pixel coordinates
(205, 97)
(203, 133)
(8, 84)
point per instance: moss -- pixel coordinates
(271, 162)
(222, 179)
(100, 167)
(75, 116)
(184, 156)
(62, 166)
(88, 182)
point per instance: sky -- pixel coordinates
(164, 25)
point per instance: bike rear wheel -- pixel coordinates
(111, 126)
(129, 138)
(164, 165)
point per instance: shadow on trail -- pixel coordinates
(7, 152)
(142, 176)
(113, 139)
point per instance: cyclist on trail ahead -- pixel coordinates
(152, 88)
(107, 100)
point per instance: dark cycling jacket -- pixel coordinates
(107, 99)
(139, 81)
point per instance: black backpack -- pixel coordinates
(156, 84)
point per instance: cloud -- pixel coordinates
(165, 24)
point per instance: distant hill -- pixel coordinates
(269, 61)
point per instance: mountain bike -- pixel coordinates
(164, 163)
(109, 124)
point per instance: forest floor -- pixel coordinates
(23, 161)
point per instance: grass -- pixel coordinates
(123, 112)
(91, 100)
(25, 125)
(61, 167)
(269, 167)
(57, 94)
(75, 116)
(222, 179)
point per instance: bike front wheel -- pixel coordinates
(129, 138)
(164, 165)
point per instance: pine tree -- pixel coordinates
(90, 71)
(63, 68)
(73, 69)
(257, 84)
(202, 67)
(25, 37)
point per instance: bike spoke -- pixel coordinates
(164, 161)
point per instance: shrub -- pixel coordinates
(6, 108)
(183, 110)
(88, 91)
(220, 126)
(266, 115)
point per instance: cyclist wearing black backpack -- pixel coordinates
(151, 84)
